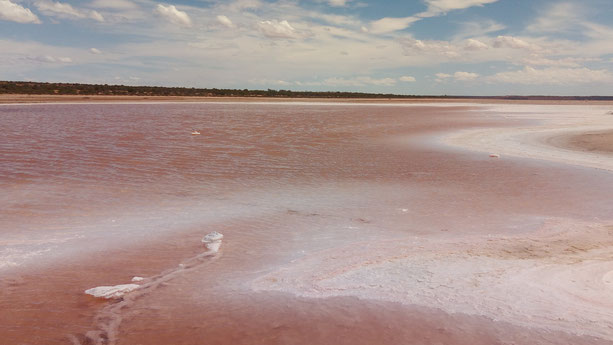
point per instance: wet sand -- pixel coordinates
(413, 243)
(283, 319)
(600, 142)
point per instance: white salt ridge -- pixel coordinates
(212, 241)
(109, 292)
(137, 279)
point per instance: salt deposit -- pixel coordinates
(138, 279)
(109, 292)
(533, 141)
(212, 241)
(558, 278)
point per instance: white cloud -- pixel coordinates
(473, 44)
(95, 51)
(511, 42)
(62, 10)
(413, 47)
(437, 7)
(225, 21)
(113, 4)
(333, 57)
(597, 31)
(49, 59)
(276, 29)
(553, 76)
(537, 60)
(352, 82)
(338, 3)
(465, 76)
(335, 3)
(337, 20)
(53, 8)
(240, 5)
(275, 82)
(558, 17)
(477, 29)
(571, 18)
(441, 77)
(95, 15)
(16, 13)
(458, 76)
(385, 25)
(173, 15)
(513, 50)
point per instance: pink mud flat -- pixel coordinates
(342, 223)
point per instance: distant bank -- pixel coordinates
(23, 90)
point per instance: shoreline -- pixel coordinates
(557, 134)
(10, 99)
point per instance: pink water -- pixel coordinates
(94, 194)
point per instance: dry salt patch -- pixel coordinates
(558, 278)
(109, 292)
(212, 241)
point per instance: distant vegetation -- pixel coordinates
(36, 88)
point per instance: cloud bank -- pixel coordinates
(17, 13)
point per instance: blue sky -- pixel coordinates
(467, 47)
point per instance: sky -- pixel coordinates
(424, 47)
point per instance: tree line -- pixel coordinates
(39, 88)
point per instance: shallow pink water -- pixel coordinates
(94, 194)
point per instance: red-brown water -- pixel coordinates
(96, 194)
